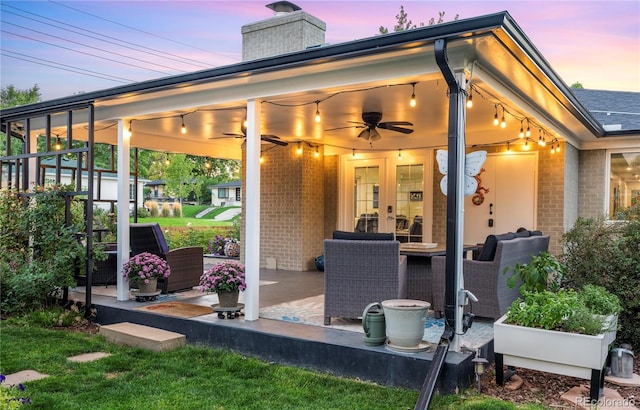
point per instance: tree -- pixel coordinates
(180, 179)
(404, 23)
(10, 96)
(577, 85)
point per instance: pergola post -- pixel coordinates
(252, 211)
(124, 146)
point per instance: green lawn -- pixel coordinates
(193, 377)
(188, 217)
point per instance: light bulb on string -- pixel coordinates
(261, 158)
(318, 112)
(129, 131)
(508, 147)
(412, 102)
(299, 150)
(470, 98)
(503, 121)
(541, 140)
(183, 129)
(58, 146)
(399, 153)
(353, 153)
(558, 147)
(521, 135)
(528, 132)
(495, 117)
(526, 144)
(317, 153)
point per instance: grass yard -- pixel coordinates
(188, 218)
(194, 377)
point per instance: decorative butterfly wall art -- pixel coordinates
(472, 166)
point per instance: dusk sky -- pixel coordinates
(68, 47)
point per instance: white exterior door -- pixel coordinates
(509, 203)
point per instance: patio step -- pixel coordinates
(146, 337)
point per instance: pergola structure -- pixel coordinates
(488, 60)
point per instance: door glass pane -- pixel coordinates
(409, 202)
(366, 198)
(625, 184)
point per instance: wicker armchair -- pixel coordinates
(358, 272)
(487, 279)
(186, 263)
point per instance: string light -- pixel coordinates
(261, 158)
(541, 140)
(353, 153)
(129, 131)
(528, 133)
(184, 128)
(503, 121)
(317, 153)
(495, 117)
(399, 153)
(521, 135)
(412, 102)
(299, 150)
(508, 147)
(558, 147)
(318, 111)
(166, 160)
(58, 146)
(526, 145)
(553, 149)
(470, 98)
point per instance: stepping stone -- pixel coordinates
(88, 357)
(610, 399)
(146, 337)
(633, 381)
(22, 377)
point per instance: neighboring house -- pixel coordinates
(105, 183)
(157, 191)
(557, 157)
(226, 194)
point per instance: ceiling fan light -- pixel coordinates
(374, 135)
(364, 134)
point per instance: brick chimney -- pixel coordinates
(290, 29)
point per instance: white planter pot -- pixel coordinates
(405, 320)
(569, 354)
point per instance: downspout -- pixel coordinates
(455, 204)
(453, 262)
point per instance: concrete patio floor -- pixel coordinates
(324, 349)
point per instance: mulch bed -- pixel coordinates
(546, 388)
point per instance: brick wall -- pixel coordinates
(551, 197)
(591, 183)
(291, 207)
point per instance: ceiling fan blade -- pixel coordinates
(388, 123)
(233, 134)
(345, 127)
(397, 129)
(365, 134)
(274, 141)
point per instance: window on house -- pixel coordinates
(132, 191)
(222, 193)
(624, 182)
(237, 194)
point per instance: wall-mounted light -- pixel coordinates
(412, 101)
(318, 111)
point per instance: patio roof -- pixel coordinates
(341, 81)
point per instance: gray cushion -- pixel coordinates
(362, 236)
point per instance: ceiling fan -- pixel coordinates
(371, 121)
(274, 139)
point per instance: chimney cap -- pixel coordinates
(283, 7)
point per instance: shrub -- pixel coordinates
(152, 206)
(166, 210)
(543, 272)
(142, 212)
(607, 254)
(39, 251)
(177, 210)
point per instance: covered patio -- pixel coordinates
(477, 83)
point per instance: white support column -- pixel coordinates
(252, 211)
(460, 161)
(33, 147)
(124, 146)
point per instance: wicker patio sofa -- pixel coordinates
(186, 263)
(358, 272)
(486, 278)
